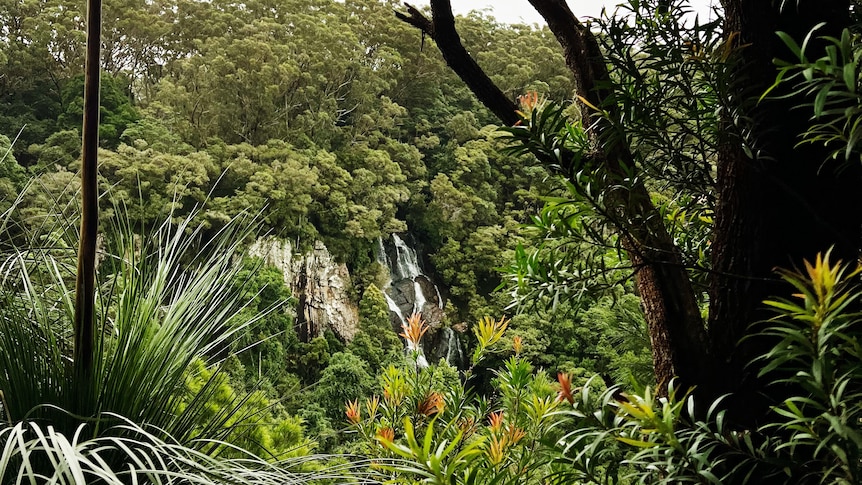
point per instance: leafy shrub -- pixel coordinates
(428, 426)
(539, 432)
(154, 408)
(812, 436)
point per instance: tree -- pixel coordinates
(772, 204)
(375, 343)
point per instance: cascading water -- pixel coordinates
(406, 261)
(393, 308)
(381, 257)
(407, 285)
(383, 260)
(419, 301)
(408, 290)
(454, 350)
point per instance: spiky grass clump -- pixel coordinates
(27, 447)
(167, 300)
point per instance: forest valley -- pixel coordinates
(360, 242)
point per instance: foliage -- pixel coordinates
(831, 85)
(148, 457)
(346, 377)
(604, 436)
(375, 343)
(808, 437)
(608, 338)
(668, 80)
(250, 422)
(263, 350)
(167, 305)
(430, 428)
(11, 175)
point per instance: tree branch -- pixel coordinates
(670, 306)
(580, 48)
(415, 18)
(442, 29)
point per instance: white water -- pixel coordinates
(419, 298)
(382, 259)
(439, 297)
(393, 307)
(406, 267)
(406, 262)
(454, 352)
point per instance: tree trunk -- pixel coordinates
(677, 333)
(785, 205)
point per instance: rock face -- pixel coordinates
(322, 288)
(320, 284)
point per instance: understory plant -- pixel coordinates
(812, 435)
(422, 431)
(154, 408)
(533, 431)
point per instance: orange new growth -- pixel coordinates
(495, 420)
(565, 381)
(386, 435)
(432, 404)
(529, 101)
(352, 412)
(517, 344)
(413, 330)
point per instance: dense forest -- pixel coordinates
(356, 242)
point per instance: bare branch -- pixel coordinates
(442, 29)
(580, 48)
(415, 18)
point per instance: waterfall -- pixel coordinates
(406, 293)
(454, 351)
(405, 267)
(419, 298)
(407, 263)
(382, 258)
(439, 297)
(393, 308)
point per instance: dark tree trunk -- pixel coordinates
(786, 205)
(85, 286)
(677, 334)
(676, 328)
(441, 28)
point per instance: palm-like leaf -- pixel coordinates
(27, 447)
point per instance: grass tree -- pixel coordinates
(95, 386)
(85, 289)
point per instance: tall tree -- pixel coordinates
(772, 206)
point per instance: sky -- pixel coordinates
(518, 11)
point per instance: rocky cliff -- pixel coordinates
(319, 284)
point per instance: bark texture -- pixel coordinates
(782, 206)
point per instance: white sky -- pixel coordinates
(517, 11)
